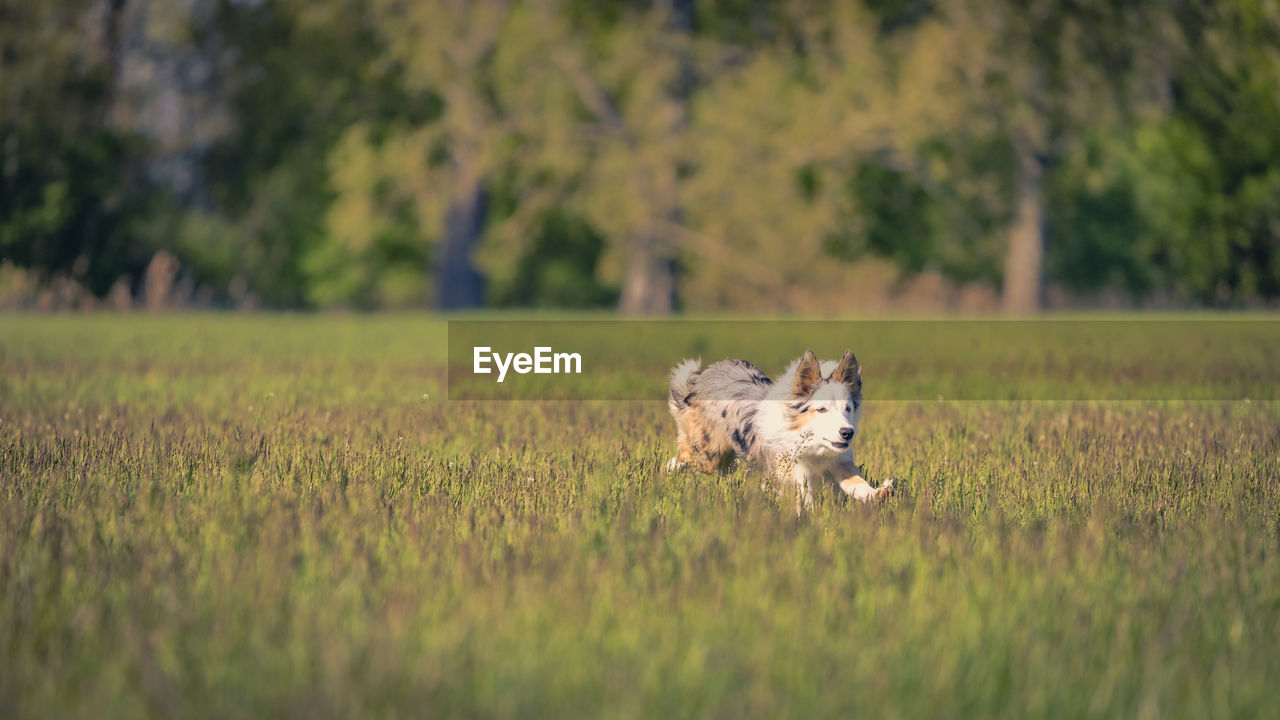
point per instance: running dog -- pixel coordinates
(797, 430)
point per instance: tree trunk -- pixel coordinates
(460, 285)
(648, 286)
(112, 58)
(1024, 260)
(680, 13)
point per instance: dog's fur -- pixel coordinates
(797, 431)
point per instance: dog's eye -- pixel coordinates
(848, 408)
(822, 410)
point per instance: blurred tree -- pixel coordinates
(296, 75)
(773, 132)
(74, 198)
(1173, 201)
(558, 268)
(1054, 70)
(649, 282)
(500, 113)
(725, 154)
(1225, 137)
(634, 79)
(372, 253)
(585, 115)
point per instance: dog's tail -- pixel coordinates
(682, 376)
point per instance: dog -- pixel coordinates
(798, 431)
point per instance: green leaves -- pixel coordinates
(764, 152)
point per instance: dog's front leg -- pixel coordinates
(856, 486)
(803, 480)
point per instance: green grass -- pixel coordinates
(281, 516)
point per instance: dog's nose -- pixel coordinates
(846, 433)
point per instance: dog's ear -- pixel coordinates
(848, 371)
(808, 374)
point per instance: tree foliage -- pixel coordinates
(727, 154)
(74, 197)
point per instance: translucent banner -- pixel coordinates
(1209, 359)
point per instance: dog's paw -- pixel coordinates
(863, 492)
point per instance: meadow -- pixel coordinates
(283, 516)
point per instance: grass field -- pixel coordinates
(214, 516)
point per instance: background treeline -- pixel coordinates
(699, 154)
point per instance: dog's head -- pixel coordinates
(826, 400)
